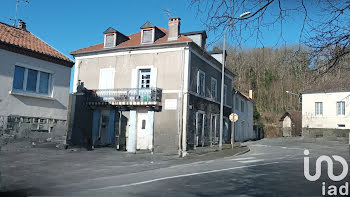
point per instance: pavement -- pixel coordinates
(43, 169)
(272, 167)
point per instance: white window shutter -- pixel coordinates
(134, 78)
(153, 77)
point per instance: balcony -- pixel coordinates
(127, 97)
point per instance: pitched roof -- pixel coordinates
(134, 40)
(24, 42)
(147, 25)
(294, 115)
(203, 32)
(110, 30)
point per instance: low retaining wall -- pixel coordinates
(331, 134)
(36, 129)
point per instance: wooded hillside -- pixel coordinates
(271, 72)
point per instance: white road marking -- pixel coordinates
(251, 161)
(244, 158)
(182, 175)
(257, 154)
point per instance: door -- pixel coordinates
(200, 126)
(144, 85)
(142, 133)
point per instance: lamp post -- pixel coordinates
(223, 78)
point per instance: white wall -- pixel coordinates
(287, 122)
(244, 125)
(329, 119)
(31, 106)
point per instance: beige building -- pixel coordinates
(34, 80)
(326, 113)
(163, 82)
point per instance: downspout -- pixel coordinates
(182, 134)
(180, 114)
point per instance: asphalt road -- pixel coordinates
(273, 167)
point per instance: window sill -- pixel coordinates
(29, 94)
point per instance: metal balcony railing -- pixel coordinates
(131, 96)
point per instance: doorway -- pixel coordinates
(142, 131)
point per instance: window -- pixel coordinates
(242, 106)
(341, 108)
(147, 36)
(201, 83)
(30, 80)
(110, 40)
(213, 88)
(319, 108)
(225, 94)
(143, 126)
(145, 78)
(237, 104)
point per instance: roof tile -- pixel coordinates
(135, 40)
(24, 39)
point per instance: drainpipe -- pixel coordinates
(184, 101)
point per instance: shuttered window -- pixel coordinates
(147, 36)
(110, 41)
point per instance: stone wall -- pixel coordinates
(330, 134)
(34, 128)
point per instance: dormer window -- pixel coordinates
(150, 33)
(147, 36)
(112, 38)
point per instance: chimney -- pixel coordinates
(251, 94)
(174, 28)
(22, 25)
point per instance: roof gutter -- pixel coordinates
(153, 46)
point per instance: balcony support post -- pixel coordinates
(132, 132)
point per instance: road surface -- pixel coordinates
(273, 167)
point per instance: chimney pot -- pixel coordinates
(174, 28)
(22, 25)
(251, 94)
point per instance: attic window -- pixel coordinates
(147, 36)
(110, 40)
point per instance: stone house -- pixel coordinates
(34, 80)
(161, 82)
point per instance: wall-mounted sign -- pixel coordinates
(170, 104)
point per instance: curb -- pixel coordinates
(243, 152)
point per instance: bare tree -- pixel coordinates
(325, 26)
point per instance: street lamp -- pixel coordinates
(223, 78)
(299, 95)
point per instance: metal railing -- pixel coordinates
(130, 95)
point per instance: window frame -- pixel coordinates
(214, 95)
(200, 90)
(115, 40)
(147, 29)
(24, 90)
(242, 106)
(342, 108)
(319, 110)
(144, 71)
(225, 94)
